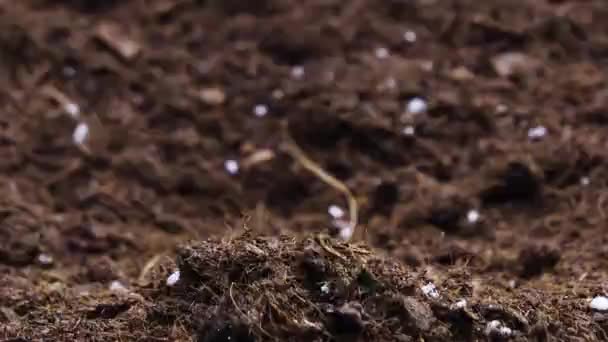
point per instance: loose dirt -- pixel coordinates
(142, 138)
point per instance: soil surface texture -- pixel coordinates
(187, 170)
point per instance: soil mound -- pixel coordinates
(281, 288)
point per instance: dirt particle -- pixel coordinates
(416, 315)
(9, 315)
(461, 74)
(513, 63)
(448, 215)
(116, 37)
(385, 197)
(91, 6)
(516, 183)
(346, 320)
(212, 96)
(536, 260)
(108, 310)
(233, 332)
(453, 254)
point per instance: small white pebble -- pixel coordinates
(430, 290)
(537, 132)
(173, 278)
(390, 83)
(45, 259)
(461, 304)
(382, 53)
(260, 110)
(599, 303)
(501, 108)
(473, 216)
(329, 76)
(345, 229)
(72, 109)
(416, 106)
(346, 233)
(325, 288)
(117, 286)
(410, 36)
(231, 166)
(309, 324)
(427, 66)
(585, 181)
(278, 94)
(297, 72)
(495, 327)
(81, 132)
(335, 211)
(69, 71)
(409, 130)
(505, 331)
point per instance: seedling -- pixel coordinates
(290, 147)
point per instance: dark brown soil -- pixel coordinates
(169, 91)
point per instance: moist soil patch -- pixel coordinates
(141, 138)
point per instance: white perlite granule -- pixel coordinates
(416, 105)
(599, 303)
(81, 132)
(497, 328)
(260, 110)
(430, 290)
(231, 166)
(173, 278)
(335, 211)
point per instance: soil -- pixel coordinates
(147, 193)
